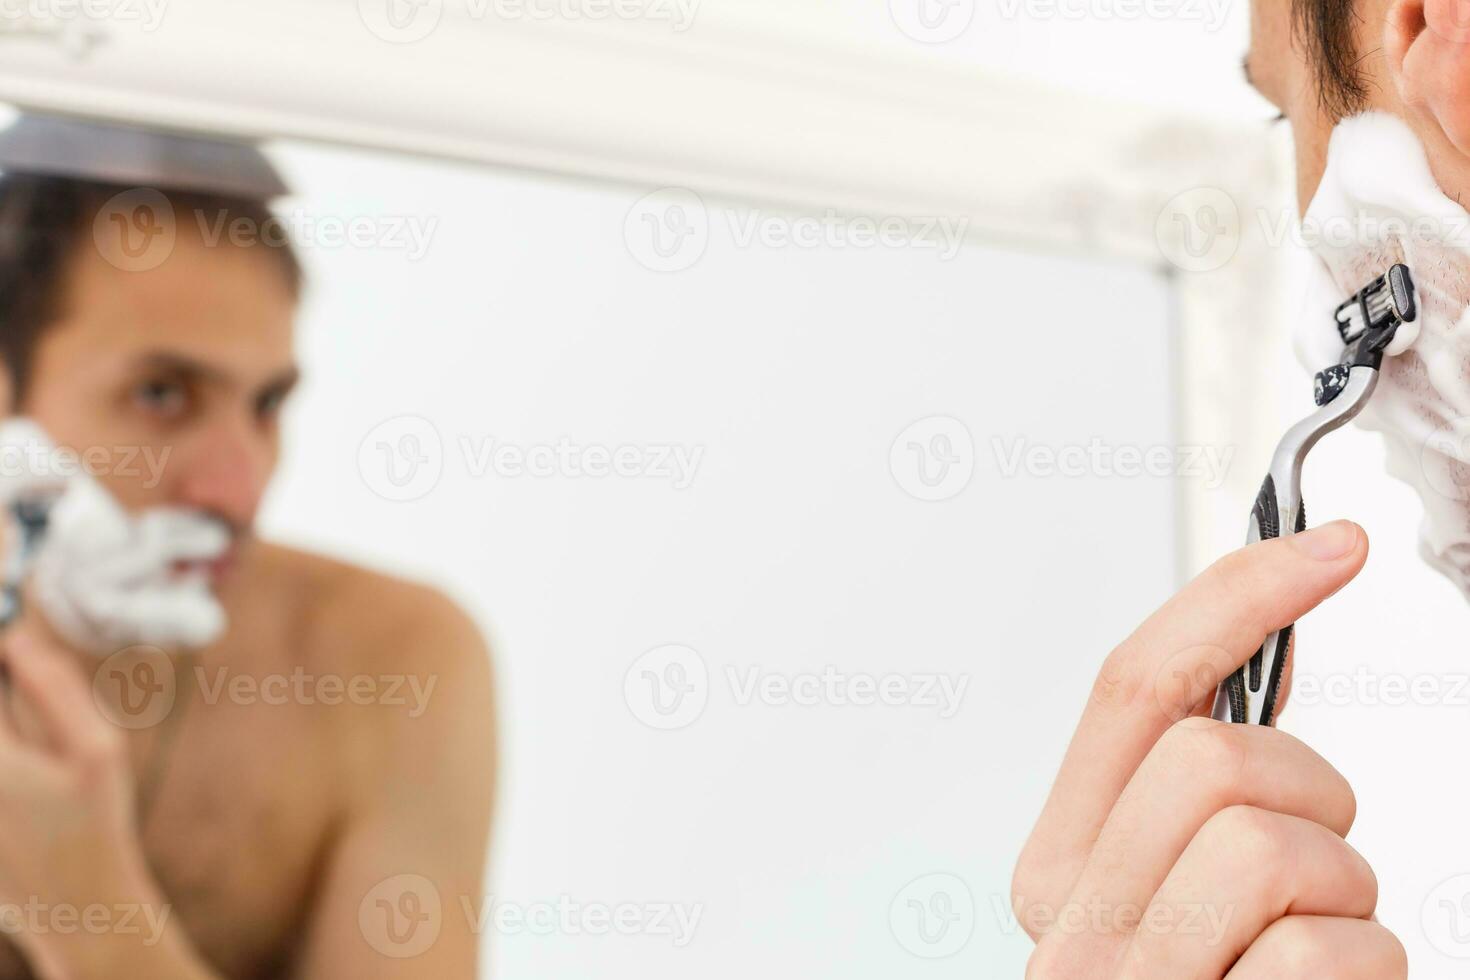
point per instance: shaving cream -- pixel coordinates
(1378, 204)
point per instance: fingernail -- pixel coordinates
(1328, 542)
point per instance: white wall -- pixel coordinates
(1183, 54)
(793, 829)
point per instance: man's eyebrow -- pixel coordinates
(168, 362)
(285, 381)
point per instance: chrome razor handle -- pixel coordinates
(1252, 694)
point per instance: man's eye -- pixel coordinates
(268, 405)
(166, 398)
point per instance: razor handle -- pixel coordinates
(1251, 694)
(1367, 323)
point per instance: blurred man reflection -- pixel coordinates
(310, 794)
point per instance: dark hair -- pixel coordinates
(1327, 28)
(44, 220)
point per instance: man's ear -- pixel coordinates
(1427, 46)
(7, 391)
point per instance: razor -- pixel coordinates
(28, 518)
(1367, 323)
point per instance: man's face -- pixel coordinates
(171, 378)
(1413, 62)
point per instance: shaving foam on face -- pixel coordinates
(104, 578)
(1378, 204)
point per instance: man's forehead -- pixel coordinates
(239, 332)
(102, 350)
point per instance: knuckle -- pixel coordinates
(1349, 803)
(1235, 582)
(1231, 570)
(1302, 950)
(1051, 960)
(1119, 679)
(103, 746)
(1345, 799)
(1339, 803)
(1360, 896)
(1024, 875)
(1246, 830)
(1391, 957)
(1031, 882)
(1213, 753)
(1022, 886)
(1370, 882)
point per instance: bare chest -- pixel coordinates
(237, 806)
(238, 825)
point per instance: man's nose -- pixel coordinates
(226, 473)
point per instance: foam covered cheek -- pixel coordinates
(104, 578)
(1379, 204)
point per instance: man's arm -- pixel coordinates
(402, 882)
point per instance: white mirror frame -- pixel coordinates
(737, 110)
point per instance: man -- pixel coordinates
(1152, 816)
(283, 812)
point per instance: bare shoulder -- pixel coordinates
(351, 617)
(418, 663)
(411, 734)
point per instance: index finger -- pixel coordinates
(1168, 669)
